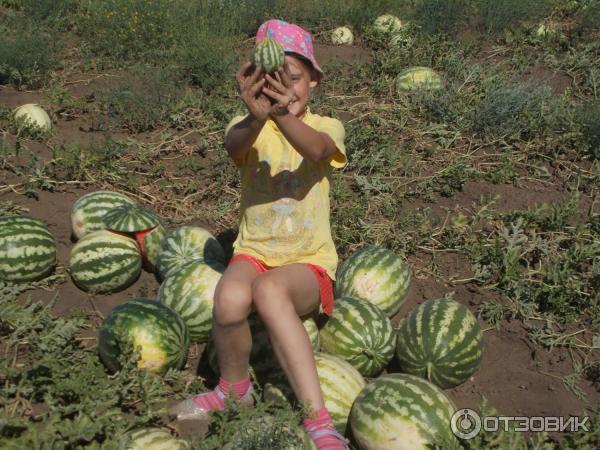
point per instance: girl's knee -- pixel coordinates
(271, 300)
(232, 303)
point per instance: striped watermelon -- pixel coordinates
(415, 78)
(268, 54)
(359, 333)
(189, 292)
(154, 439)
(104, 262)
(441, 341)
(377, 275)
(149, 242)
(27, 249)
(262, 356)
(402, 412)
(88, 211)
(130, 218)
(186, 244)
(160, 333)
(33, 115)
(340, 384)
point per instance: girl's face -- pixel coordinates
(302, 81)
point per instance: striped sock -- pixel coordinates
(215, 399)
(323, 433)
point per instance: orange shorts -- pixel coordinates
(324, 281)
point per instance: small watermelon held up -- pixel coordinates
(161, 335)
(268, 55)
(441, 341)
(27, 249)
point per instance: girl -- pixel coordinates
(284, 258)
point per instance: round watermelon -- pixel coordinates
(89, 210)
(441, 341)
(154, 439)
(189, 292)
(184, 245)
(415, 78)
(160, 334)
(268, 54)
(402, 412)
(149, 242)
(377, 275)
(340, 384)
(387, 24)
(361, 334)
(27, 249)
(342, 36)
(33, 115)
(104, 262)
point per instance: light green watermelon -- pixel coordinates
(387, 24)
(33, 115)
(186, 244)
(89, 210)
(377, 275)
(154, 439)
(104, 261)
(441, 341)
(402, 412)
(268, 54)
(189, 292)
(415, 78)
(27, 249)
(340, 384)
(361, 334)
(156, 329)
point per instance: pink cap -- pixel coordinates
(291, 37)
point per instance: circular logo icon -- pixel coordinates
(466, 423)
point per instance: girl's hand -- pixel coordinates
(280, 90)
(250, 84)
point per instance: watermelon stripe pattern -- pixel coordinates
(441, 341)
(189, 292)
(88, 211)
(154, 439)
(27, 249)
(184, 245)
(340, 384)
(417, 78)
(104, 262)
(400, 411)
(130, 218)
(377, 275)
(160, 333)
(361, 334)
(150, 245)
(268, 55)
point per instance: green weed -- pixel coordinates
(500, 15)
(443, 16)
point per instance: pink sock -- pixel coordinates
(322, 431)
(215, 399)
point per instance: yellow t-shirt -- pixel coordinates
(284, 208)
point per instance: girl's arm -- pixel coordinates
(242, 135)
(310, 143)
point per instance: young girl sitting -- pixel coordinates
(284, 257)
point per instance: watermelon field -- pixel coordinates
(467, 222)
